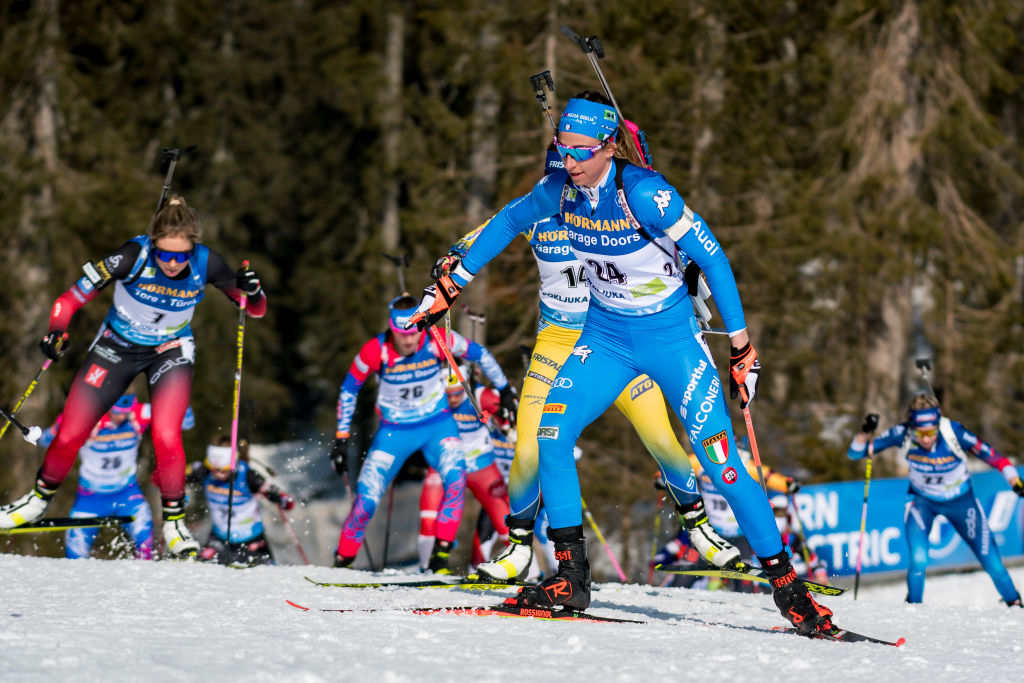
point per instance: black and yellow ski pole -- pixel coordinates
(869, 426)
(31, 387)
(239, 341)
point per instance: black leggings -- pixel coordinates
(109, 368)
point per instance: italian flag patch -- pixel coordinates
(717, 448)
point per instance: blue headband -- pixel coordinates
(592, 119)
(398, 318)
(924, 418)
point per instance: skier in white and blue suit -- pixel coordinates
(640, 321)
(936, 449)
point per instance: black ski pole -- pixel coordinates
(400, 261)
(870, 422)
(30, 434)
(924, 366)
(171, 155)
(541, 84)
(31, 387)
(592, 48)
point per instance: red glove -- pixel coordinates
(286, 502)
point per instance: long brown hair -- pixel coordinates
(176, 219)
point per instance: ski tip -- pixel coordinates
(901, 641)
(295, 604)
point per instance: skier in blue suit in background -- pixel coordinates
(936, 449)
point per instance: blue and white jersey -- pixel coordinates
(626, 273)
(504, 450)
(246, 520)
(564, 294)
(411, 388)
(109, 457)
(939, 473)
(477, 447)
(154, 309)
(720, 514)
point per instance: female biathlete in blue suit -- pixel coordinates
(564, 301)
(640, 321)
(936, 449)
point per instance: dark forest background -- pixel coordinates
(861, 162)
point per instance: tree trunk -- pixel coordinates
(29, 313)
(482, 161)
(391, 126)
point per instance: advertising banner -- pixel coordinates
(831, 517)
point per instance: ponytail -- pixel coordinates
(176, 219)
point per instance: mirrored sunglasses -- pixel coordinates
(577, 152)
(168, 256)
(926, 432)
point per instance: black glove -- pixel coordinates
(745, 372)
(792, 486)
(54, 345)
(659, 482)
(338, 454)
(870, 423)
(509, 401)
(248, 281)
(1018, 487)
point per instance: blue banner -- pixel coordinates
(831, 516)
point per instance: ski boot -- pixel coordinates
(705, 540)
(342, 562)
(793, 599)
(29, 507)
(439, 557)
(569, 588)
(515, 560)
(177, 538)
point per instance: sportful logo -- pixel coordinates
(539, 377)
(583, 352)
(717, 448)
(662, 199)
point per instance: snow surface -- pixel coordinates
(126, 620)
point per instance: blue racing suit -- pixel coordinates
(941, 485)
(640, 321)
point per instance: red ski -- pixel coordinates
(509, 608)
(840, 636)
